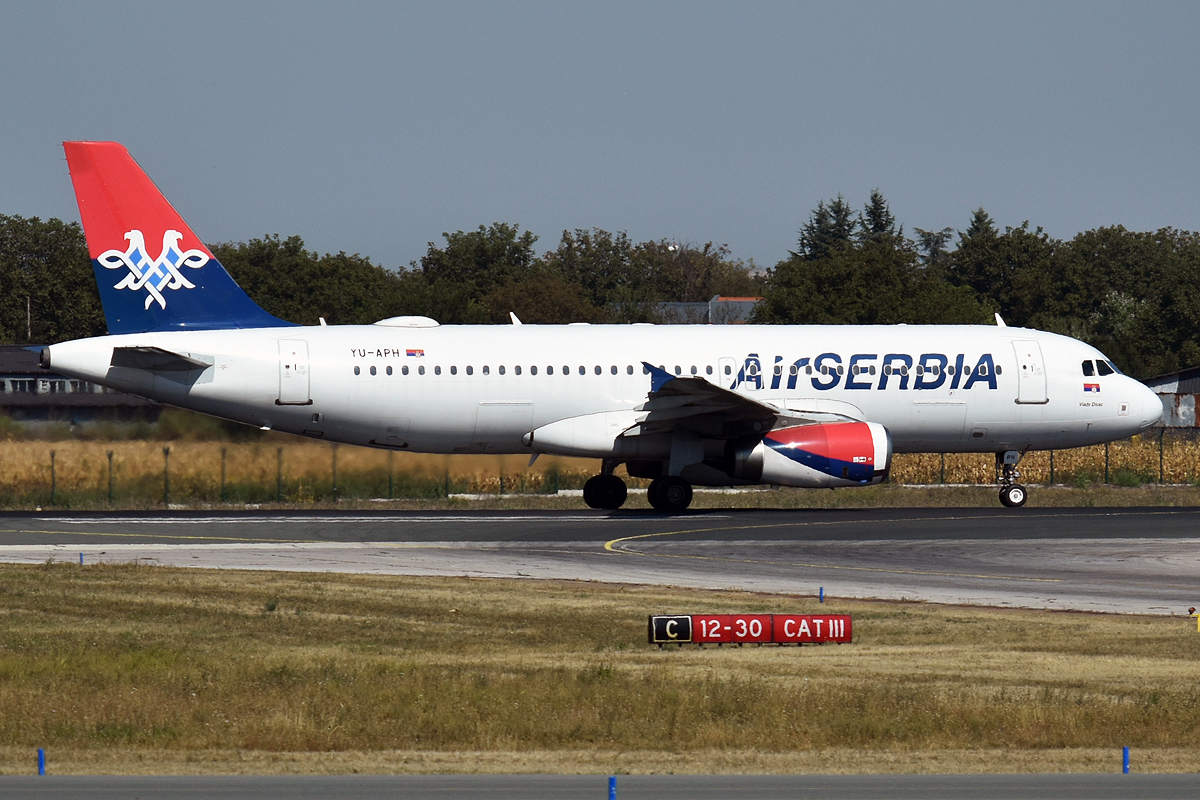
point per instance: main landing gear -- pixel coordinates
(1012, 494)
(668, 494)
(605, 490)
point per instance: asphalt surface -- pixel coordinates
(1117, 560)
(1128, 560)
(594, 787)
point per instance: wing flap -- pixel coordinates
(693, 404)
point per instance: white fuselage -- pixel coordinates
(460, 389)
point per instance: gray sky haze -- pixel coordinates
(373, 127)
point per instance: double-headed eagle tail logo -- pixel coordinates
(157, 275)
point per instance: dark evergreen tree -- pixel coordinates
(829, 229)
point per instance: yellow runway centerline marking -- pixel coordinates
(613, 546)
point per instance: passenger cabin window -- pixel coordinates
(420, 370)
(629, 369)
(470, 370)
(372, 370)
(708, 370)
(454, 370)
(533, 370)
(1104, 368)
(598, 370)
(357, 371)
(389, 370)
(404, 370)
(501, 369)
(437, 370)
(516, 370)
(487, 370)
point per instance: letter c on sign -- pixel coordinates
(671, 629)
(787, 628)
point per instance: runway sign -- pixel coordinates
(750, 629)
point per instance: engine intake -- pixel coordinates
(818, 456)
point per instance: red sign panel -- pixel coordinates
(805, 628)
(721, 628)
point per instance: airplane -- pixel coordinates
(818, 406)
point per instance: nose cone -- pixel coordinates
(1152, 407)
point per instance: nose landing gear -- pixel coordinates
(1012, 494)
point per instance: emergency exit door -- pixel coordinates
(1031, 372)
(293, 373)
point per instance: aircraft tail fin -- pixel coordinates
(126, 221)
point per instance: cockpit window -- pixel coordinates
(1104, 368)
(1088, 369)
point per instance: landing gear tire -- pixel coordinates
(1013, 496)
(670, 495)
(605, 491)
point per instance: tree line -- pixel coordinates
(1134, 295)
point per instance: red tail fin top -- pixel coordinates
(115, 196)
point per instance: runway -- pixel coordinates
(1112, 560)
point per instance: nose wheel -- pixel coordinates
(1013, 496)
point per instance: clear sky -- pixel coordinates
(372, 127)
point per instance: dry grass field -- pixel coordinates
(76, 474)
(135, 669)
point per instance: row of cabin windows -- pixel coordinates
(566, 370)
(1100, 368)
(752, 370)
(502, 370)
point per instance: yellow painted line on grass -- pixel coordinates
(613, 546)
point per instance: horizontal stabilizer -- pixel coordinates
(155, 359)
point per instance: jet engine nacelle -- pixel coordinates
(815, 456)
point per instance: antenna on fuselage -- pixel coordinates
(514, 319)
(999, 322)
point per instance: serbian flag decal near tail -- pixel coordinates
(153, 272)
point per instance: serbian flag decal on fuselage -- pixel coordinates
(1092, 387)
(414, 353)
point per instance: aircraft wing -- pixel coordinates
(695, 405)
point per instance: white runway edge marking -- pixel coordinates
(167, 520)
